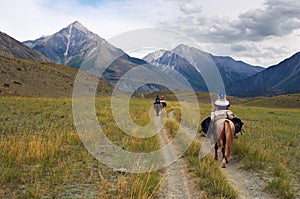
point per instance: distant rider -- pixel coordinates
(163, 101)
(157, 100)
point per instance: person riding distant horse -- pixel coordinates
(157, 105)
(157, 100)
(163, 101)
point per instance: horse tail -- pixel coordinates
(229, 134)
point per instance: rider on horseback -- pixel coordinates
(163, 101)
(157, 100)
(223, 104)
(157, 105)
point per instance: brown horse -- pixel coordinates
(224, 130)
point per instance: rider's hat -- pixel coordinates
(222, 95)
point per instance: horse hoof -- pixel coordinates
(224, 161)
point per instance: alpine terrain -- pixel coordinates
(191, 62)
(76, 46)
(282, 78)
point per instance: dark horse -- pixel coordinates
(224, 131)
(157, 108)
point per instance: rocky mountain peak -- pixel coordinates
(69, 46)
(79, 27)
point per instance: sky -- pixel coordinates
(258, 32)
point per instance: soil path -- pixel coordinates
(179, 180)
(247, 184)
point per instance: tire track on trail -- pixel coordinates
(179, 180)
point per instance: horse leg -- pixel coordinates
(223, 151)
(224, 160)
(229, 133)
(216, 151)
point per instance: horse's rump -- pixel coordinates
(229, 130)
(224, 130)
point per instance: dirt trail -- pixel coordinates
(179, 179)
(247, 184)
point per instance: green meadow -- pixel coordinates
(42, 156)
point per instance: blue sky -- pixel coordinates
(259, 32)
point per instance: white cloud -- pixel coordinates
(259, 31)
(190, 8)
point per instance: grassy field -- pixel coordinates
(41, 154)
(269, 147)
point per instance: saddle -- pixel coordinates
(222, 115)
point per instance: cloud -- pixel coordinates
(276, 18)
(224, 27)
(238, 47)
(190, 8)
(261, 54)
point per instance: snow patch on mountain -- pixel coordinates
(68, 40)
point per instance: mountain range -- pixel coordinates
(74, 45)
(279, 79)
(192, 64)
(78, 47)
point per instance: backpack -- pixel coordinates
(238, 124)
(205, 124)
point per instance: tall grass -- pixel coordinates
(270, 147)
(210, 177)
(41, 154)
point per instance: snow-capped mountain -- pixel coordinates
(173, 64)
(71, 45)
(76, 46)
(200, 67)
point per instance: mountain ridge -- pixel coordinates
(70, 45)
(10, 47)
(282, 78)
(78, 47)
(191, 62)
(75, 45)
